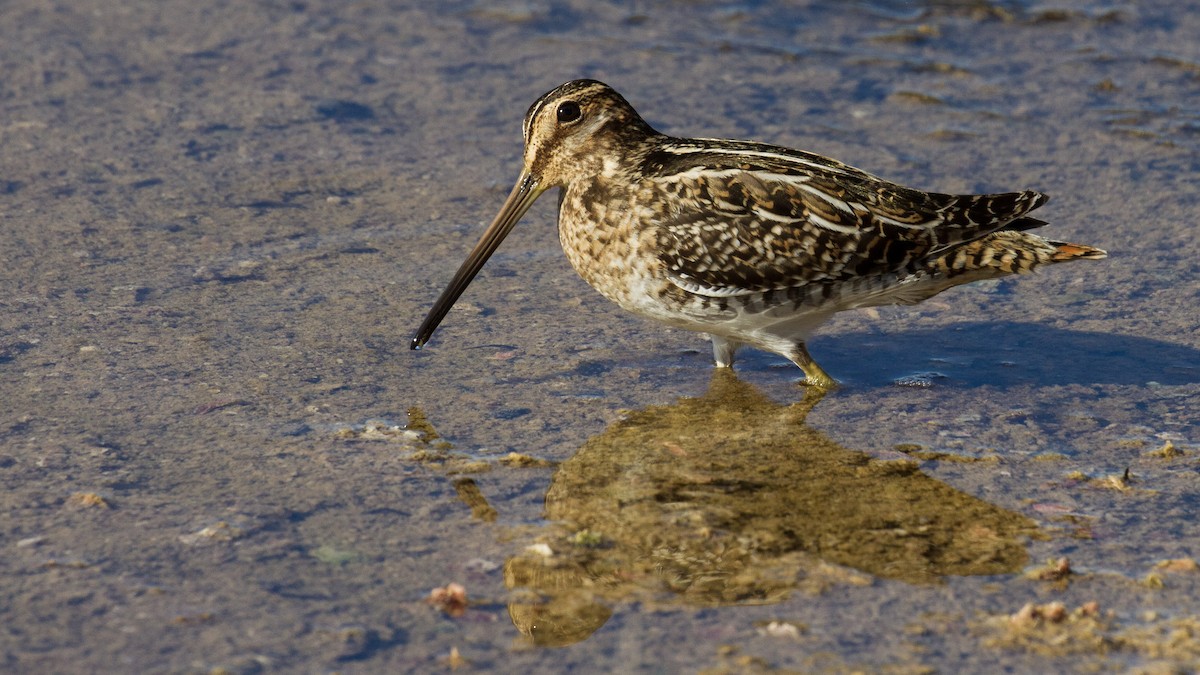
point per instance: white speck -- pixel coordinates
(482, 565)
(780, 629)
(540, 549)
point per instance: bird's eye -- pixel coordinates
(569, 112)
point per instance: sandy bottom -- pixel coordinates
(220, 223)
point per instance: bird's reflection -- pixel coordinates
(731, 498)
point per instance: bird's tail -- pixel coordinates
(999, 254)
(1067, 251)
(1008, 252)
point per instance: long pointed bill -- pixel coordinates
(519, 200)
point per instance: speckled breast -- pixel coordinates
(609, 245)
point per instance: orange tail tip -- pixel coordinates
(1072, 251)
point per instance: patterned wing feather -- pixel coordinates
(739, 223)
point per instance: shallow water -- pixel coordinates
(221, 222)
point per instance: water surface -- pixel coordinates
(221, 222)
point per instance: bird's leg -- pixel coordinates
(814, 375)
(723, 349)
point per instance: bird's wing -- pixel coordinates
(744, 220)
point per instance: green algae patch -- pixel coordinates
(1167, 451)
(470, 494)
(332, 555)
(419, 422)
(922, 453)
(520, 460)
(1054, 630)
(1176, 640)
(424, 444)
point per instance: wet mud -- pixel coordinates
(220, 223)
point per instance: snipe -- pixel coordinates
(751, 243)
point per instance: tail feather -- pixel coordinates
(1065, 251)
(999, 254)
(1009, 252)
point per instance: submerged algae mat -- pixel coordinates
(731, 498)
